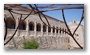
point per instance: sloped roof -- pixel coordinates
(18, 7)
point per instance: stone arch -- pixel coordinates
(22, 25)
(49, 29)
(38, 27)
(44, 28)
(10, 23)
(53, 29)
(60, 30)
(65, 31)
(57, 30)
(31, 26)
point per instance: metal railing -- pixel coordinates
(35, 8)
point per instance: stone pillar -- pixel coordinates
(35, 23)
(61, 32)
(27, 27)
(58, 31)
(51, 31)
(47, 30)
(55, 30)
(64, 32)
(41, 29)
(17, 22)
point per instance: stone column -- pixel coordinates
(17, 22)
(27, 27)
(41, 29)
(55, 30)
(51, 31)
(61, 32)
(58, 31)
(35, 23)
(64, 32)
(47, 30)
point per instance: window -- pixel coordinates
(76, 34)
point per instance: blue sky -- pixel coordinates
(70, 14)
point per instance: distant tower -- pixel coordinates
(79, 34)
(73, 21)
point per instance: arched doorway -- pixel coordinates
(49, 29)
(22, 25)
(10, 23)
(38, 27)
(57, 30)
(31, 26)
(65, 31)
(44, 28)
(60, 30)
(53, 29)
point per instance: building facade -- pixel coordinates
(79, 35)
(49, 37)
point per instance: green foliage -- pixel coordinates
(31, 44)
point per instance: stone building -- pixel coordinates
(49, 37)
(79, 35)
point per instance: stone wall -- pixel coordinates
(45, 42)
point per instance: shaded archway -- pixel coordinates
(60, 30)
(31, 26)
(22, 25)
(44, 28)
(38, 27)
(10, 23)
(65, 31)
(53, 29)
(49, 29)
(57, 30)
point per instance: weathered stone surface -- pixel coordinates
(46, 40)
